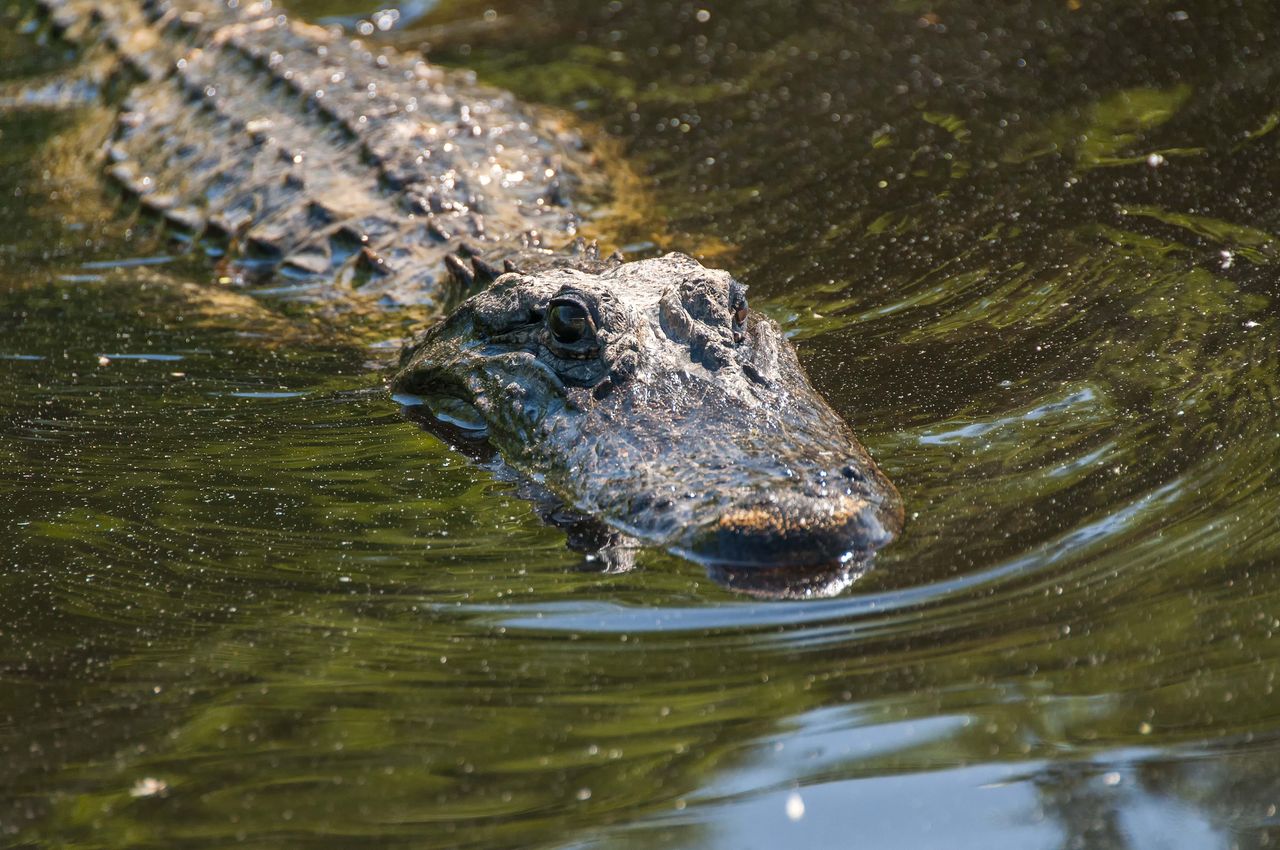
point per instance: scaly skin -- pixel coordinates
(349, 171)
(665, 419)
(645, 394)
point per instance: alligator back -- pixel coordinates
(304, 153)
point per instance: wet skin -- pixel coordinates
(647, 395)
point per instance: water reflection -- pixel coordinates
(1028, 251)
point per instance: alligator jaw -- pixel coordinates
(627, 392)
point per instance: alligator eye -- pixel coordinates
(568, 322)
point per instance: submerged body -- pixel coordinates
(645, 394)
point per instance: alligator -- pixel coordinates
(646, 395)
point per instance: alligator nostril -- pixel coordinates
(853, 474)
(792, 529)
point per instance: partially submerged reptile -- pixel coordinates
(645, 394)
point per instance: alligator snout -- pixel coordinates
(795, 531)
(649, 396)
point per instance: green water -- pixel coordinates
(1027, 249)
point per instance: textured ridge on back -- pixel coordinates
(310, 154)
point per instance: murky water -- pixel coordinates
(1027, 249)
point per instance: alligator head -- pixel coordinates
(646, 394)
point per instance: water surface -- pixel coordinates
(1028, 250)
